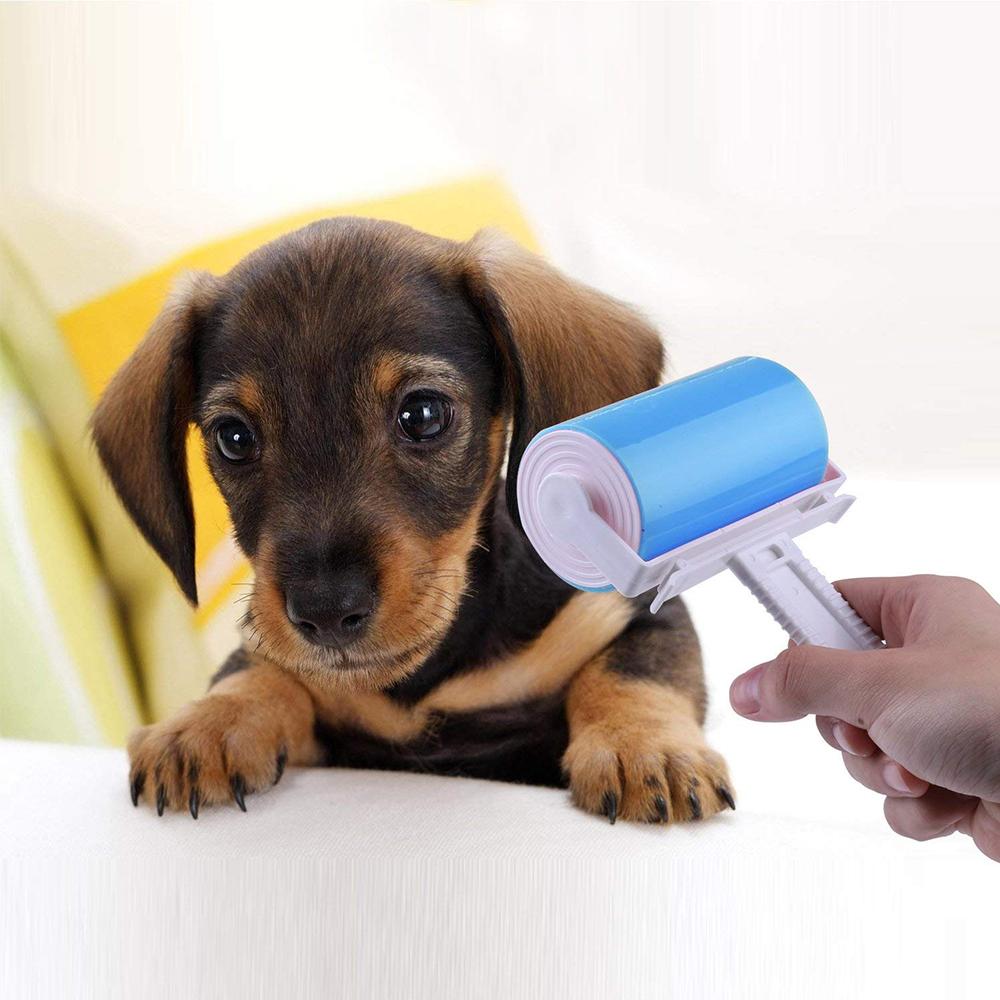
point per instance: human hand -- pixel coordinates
(919, 721)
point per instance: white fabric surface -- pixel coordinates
(361, 884)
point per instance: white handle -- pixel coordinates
(799, 598)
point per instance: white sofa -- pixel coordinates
(376, 885)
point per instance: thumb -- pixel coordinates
(814, 680)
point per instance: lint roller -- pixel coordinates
(719, 470)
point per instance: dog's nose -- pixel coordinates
(333, 610)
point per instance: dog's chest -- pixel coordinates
(522, 742)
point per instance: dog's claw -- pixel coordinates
(727, 796)
(661, 809)
(194, 801)
(695, 804)
(609, 804)
(281, 762)
(238, 785)
(135, 788)
(161, 799)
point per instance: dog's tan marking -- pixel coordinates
(393, 368)
(387, 374)
(581, 629)
(640, 742)
(245, 729)
(422, 585)
(369, 711)
(244, 391)
(250, 394)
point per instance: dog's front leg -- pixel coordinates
(255, 719)
(636, 747)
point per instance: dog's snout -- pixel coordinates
(333, 610)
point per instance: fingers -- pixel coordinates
(866, 763)
(935, 814)
(885, 776)
(813, 680)
(899, 608)
(984, 828)
(913, 808)
(845, 737)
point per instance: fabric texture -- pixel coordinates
(375, 885)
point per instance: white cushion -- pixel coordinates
(365, 884)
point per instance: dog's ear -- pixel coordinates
(140, 428)
(565, 348)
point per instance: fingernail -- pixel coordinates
(893, 777)
(744, 695)
(840, 735)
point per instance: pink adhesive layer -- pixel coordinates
(612, 497)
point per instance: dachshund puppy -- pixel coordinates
(356, 384)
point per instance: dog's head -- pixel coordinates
(355, 383)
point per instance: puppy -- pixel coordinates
(356, 384)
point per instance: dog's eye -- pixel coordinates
(235, 441)
(424, 415)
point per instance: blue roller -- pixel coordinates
(709, 449)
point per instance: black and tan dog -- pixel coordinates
(356, 383)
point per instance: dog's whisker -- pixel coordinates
(437, 572)
(441, 593)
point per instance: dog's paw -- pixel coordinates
(215, 750)
(636, 774)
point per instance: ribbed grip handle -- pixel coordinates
(799, 598)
